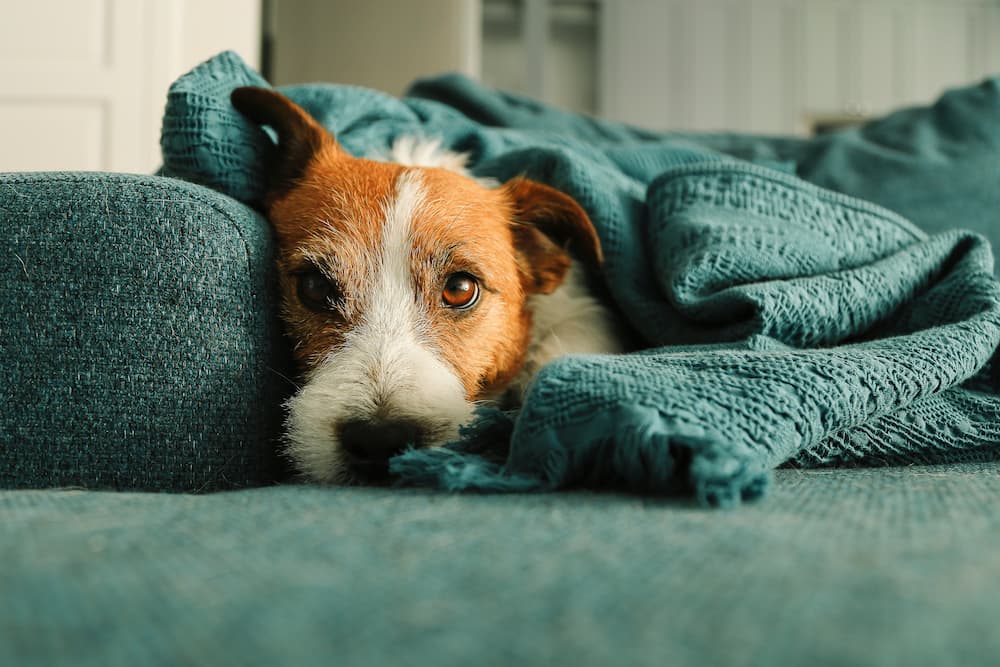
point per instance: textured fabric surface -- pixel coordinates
(839, 568)
(194, 132)
(937, 165)
(136, 337)
(837, 331)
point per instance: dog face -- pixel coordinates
(404, 290)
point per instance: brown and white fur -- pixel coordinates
(373, 257)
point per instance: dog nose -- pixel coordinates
(370, 444)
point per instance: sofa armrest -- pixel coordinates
(138, 344)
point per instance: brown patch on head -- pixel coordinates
(515, 240)
(463, 227)
(331, 222)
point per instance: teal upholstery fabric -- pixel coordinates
(138, 348)
(836, 331)
(839, 568)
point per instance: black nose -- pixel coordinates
(370, 444)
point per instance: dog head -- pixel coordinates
(404, 290)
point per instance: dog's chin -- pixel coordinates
(326, 462)
(319, 457)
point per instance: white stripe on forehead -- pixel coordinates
(397, 233)
(393, 302)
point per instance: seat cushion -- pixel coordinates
(890, 566)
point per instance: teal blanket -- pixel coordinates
(784, 322)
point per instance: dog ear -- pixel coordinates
(547, 226)
(300, 137)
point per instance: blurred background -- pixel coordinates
(83, 81)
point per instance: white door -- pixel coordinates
(83, 82)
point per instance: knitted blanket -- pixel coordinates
(784, 323)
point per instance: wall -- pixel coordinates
(770, 66)
(781, 66)
(562, 70)
(382, 44)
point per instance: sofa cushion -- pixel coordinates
(891, 566)
(137, 336)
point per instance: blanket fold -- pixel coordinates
(784, 322)
(847, 342)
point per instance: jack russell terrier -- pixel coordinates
(413, 292)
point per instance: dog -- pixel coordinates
(413, 292)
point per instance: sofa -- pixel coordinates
(148, 516)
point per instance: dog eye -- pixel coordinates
(460, 291)
(316, 291)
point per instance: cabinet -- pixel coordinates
(83, 82)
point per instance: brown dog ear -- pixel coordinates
(547, 225)
(300, 137)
